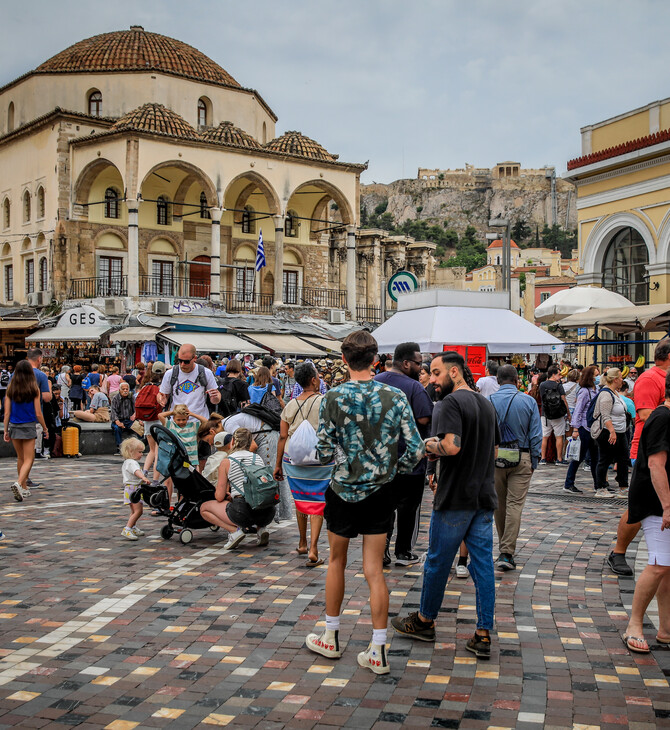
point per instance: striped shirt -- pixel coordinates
(236, 473)
(188, 435)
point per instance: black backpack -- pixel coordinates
(552, 403)
(270, 401)
(201, 379)
(228, 404)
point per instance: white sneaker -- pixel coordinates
(262, 536)
(128, 533)
(17, 491)
(137, 531)
(26, 492)
(603, 493)
(374, 659)
(462, 571)
(621, 493)
(327, 644)
(234, 539)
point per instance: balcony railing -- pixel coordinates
(309, 297)
(99, 286)
(179, 288)
(248, 303)
(368, 314)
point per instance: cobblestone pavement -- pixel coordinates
(99, 632)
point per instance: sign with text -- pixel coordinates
(404, 282)
(84, 316)
(474, 356)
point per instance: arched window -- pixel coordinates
(624, 267)
(111, 203)
(202, 113)
(204, 206)
(163, 212)
(291, 224)
(248, 222)
(9, 283)
(30, 276)
(95, 104)
(6, 213)
(10, 116)
(40, 203)
(26, 206)
(43, 274)
(265, 133)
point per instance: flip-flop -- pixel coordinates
(663, 640)
(301, 552)
(637, 650)
(314, 563)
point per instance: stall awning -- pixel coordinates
(324, 344)
(68, 334)
(285, 344)
(18, 324)
(135, 334)
(211, 341)
(643, 318)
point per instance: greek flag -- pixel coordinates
(260, 252)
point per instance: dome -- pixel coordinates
(295, 143)
(156, 119)
(137, 50)
(228, 133)
(498, 243)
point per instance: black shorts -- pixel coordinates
(240, 514)
(371, 516)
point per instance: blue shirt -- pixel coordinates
(523, 419)
(42, 383)
(23, 412)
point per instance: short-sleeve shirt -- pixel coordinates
(100, 400)
(130, 466)
(649, 393)
(188, 391)
(467, 479)
(114, 381)
(654, 438)
(42, 382)
(297, 411)
(188, 436)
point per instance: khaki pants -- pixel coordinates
(512, 487)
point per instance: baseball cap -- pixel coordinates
(222, 438)
(158, 367)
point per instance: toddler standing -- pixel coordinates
(132, 450)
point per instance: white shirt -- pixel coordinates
(571, 392)
(188, 390)
(211, 470)
(618, 414)
(130, 466)
(488, 385)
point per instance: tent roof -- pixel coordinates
(501, 330)
(577, 299)
(643, 318)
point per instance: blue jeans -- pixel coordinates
(119, 431)
(448, 529)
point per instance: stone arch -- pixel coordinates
(105, 239)
(154, 246)
(663, 251)
(604, 231)
(242, 254)
(10, 117)
(6, 212)
(6, 249)
(26, 244)
(255, 181)
(194, 173)
(292, 256)
(88, 176)
(335, 194)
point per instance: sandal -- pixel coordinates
(301, 551)
(314, 563)
(636, 649)
(663, 640)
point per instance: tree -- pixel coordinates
(521, 231)
(557, 238)
(470, 252)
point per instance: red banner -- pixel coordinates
(474, 356)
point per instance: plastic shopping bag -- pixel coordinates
(302, 447)
(574, 447)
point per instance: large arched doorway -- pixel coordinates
(199, 277)
(625, 266)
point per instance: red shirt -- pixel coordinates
(649, 393)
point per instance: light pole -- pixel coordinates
(506, 256)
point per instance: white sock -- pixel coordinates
(379, 637)
(332, 623)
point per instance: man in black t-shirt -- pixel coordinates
(465, 498)
(554, 410)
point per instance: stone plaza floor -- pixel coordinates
(100, 632)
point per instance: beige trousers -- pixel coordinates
(512, 487)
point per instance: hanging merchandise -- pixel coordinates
(149, 352)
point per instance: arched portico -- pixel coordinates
(241, 188)
(90, 175)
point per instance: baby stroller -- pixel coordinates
(193, 489)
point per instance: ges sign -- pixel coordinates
(85, 316)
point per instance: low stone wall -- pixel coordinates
(96, 439)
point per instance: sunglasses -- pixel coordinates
(185, 362)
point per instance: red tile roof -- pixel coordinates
(228, 134)
(157, 119)
(621, 149)
(295, 143)
(498, 244)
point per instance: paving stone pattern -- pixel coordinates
(100, 632)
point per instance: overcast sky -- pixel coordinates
(431, 83)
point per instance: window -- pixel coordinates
(202, 113)
(9, 283)
(111, 203)
(291, 224)
(163, 212)
(43, 274)
(162, 278)
(40, 203)
(6, 213)
(30, 276)
(10, 116)
(26, 206)
(265, 133)
(544, 296)
(95, 104)
(110, 276)
(204, 207)
(248, 222)
(624, 267)
(290, 287)
(244, 280)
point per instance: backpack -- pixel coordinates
(146, 403)
(4, 379)
(302, 447)
(270, 401)
(270, 418)
(260, 488)
(228, 404)
(509, 452)
(591, 417)
(552, 403)
(86, 383)
(201, 379)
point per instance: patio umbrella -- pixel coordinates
(578, 299)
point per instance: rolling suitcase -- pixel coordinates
(71, 442)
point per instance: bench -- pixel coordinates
(95, 439)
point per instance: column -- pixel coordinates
(351, 271)
(278, 297)
(133, 248)
(215, 257)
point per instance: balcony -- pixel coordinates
(307, 297)
(247, 303)
(99, 286)
(364, 313)
(177, 288)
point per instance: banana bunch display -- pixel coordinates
(639, 363)
(565, 371)
(625, 371)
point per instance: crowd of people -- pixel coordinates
(356, 442)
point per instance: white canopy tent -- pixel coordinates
(578, 299)
(477, 319)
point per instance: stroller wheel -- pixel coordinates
(155, 500)
(185, 536)
(166, 532)
(136, 496)
(214, 528)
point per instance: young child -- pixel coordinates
(132, 450)
(222, 443)
(179, 422)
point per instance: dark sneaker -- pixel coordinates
(387, 558)
(618, 564)
(407, 559)
(480, 646)
(31, 483)
(413, 626)
(543, 462)
(572, 489)
(563, 462)
(505, 562)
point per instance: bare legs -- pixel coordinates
(135, 514)
(315, 523)
(151, 456)
(25, 457)
(653, 581)
(625, 534)
(215, 513)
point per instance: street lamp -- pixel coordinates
(506, 256)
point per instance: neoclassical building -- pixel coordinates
(133, 167)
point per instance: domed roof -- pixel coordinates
(157, 119)
(137, 50)
(295, 143)
(498, 243)
(228, 133)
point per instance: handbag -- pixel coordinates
(509, 453)
(138, 427)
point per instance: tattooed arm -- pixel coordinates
(449, 445)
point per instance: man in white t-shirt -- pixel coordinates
(489, 383)
(189, 387)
